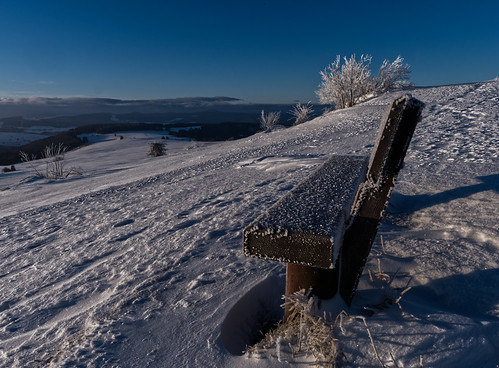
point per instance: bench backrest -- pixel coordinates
(339, 206)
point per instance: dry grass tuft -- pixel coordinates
(303, 335)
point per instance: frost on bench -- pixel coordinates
(306, 226)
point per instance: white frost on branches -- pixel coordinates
(348, 83)
(392, 75)
(301, 113)
(267, 121)
(344, 84)
(53, 155)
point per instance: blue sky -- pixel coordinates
(258, 51)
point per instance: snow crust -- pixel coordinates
(138, 262)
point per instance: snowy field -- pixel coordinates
(138, 262)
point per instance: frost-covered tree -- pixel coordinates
(392, 75)
(301, 113)
(345, 84)
(348, 83)
(267, 121)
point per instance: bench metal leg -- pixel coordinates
(322, 281)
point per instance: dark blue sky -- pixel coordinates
(259, 51)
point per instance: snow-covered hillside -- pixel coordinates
(138, 262)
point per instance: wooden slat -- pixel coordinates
(307, 225)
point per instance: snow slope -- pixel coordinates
(138, 262)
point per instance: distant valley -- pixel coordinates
(38, 122)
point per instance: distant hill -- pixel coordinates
(69, 139)
(42, 107)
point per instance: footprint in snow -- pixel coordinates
(124, 223)
(201, 280)
(127, 236)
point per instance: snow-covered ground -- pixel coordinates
(138, 262)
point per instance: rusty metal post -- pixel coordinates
(322, 281)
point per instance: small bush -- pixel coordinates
(6, 169)
(54, 163)
(392, 75)
(268, 121)
(156, 149)
(301, 113)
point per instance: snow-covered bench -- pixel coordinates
(329, 221)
